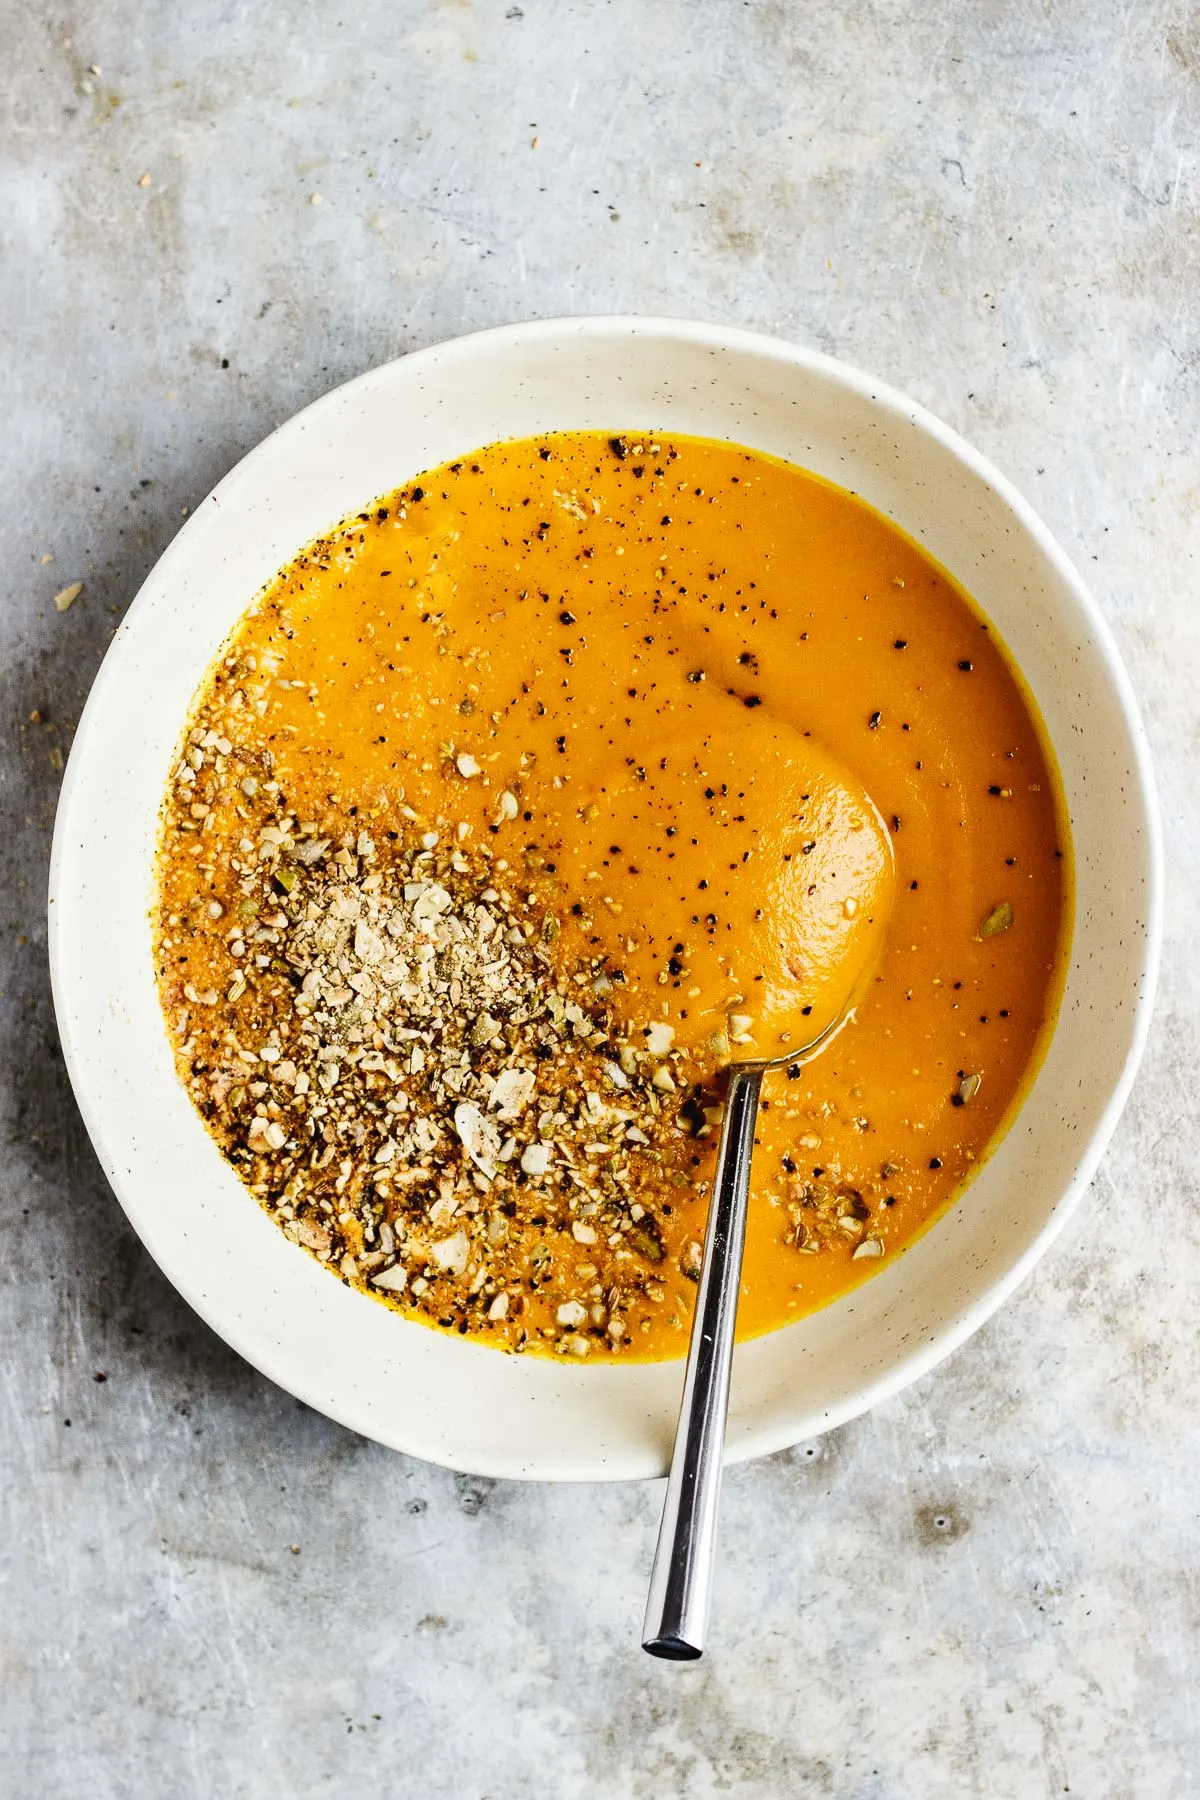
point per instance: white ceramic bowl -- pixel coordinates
(441, 1397)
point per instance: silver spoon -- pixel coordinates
(681, 1581)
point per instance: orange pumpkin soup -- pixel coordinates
(523, 802)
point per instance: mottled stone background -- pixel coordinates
(989, 1587)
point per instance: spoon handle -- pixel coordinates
(681, 1581)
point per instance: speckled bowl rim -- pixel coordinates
(79, 1004)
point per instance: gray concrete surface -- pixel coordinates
(989, 1587)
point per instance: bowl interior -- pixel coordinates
(448, 1400)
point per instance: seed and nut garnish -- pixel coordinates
(385, 1049)
(399, 1075)
(377, 1032)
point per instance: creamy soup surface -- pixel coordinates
(523, 802)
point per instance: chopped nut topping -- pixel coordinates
(405, 1079)
(999, 919)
